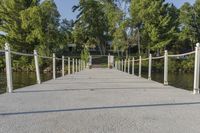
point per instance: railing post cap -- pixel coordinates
(197, 44)
(7, 45)
(35, 52)
(54, 55)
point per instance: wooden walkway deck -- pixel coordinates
(100, 101)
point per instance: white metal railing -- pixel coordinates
(77, 65)
(120, 65)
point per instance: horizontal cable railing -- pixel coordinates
(45, 57)
(74, 65)
(22, 54)
(121, 65)
(144, 59)
(180, 55)
(159, 57)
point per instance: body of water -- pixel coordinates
(22, 79)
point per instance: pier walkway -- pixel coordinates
(100, 101)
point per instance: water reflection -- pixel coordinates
(22, 79)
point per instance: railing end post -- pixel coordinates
(54, 66)
(37, 69)
(8, 68)
(166, 68)
(150, 66)
(196, 70)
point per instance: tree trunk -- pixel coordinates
(126, 54)
(100, 50)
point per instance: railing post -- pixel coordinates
(79, 65)
(76, 65)
(63, 66)
(68, 65)
(125, 62)
(150, 62)
(8, 68)
(128, 66)
(37, 69)
(109, 60)
(73, 66)
(89, 63)
(133, 64)
(140, 66)
(54, 66)
(122, 65)
(83, 64)
(196, 70)
(119, 65)
(166, 68)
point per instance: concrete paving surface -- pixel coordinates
(100, 101)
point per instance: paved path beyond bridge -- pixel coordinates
(100, 101)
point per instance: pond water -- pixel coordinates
(179, 80)
(22, 79)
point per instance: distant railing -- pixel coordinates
(121, 65)
(77, 65)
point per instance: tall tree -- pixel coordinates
(11, 22)
(93, 20)
(156, 22)
(189, 24)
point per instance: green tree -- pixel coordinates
(93, 21)
(189, 24)
(157, 21)
(11, 22)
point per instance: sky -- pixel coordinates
(65, 6)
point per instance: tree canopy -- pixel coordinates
(125, 26)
